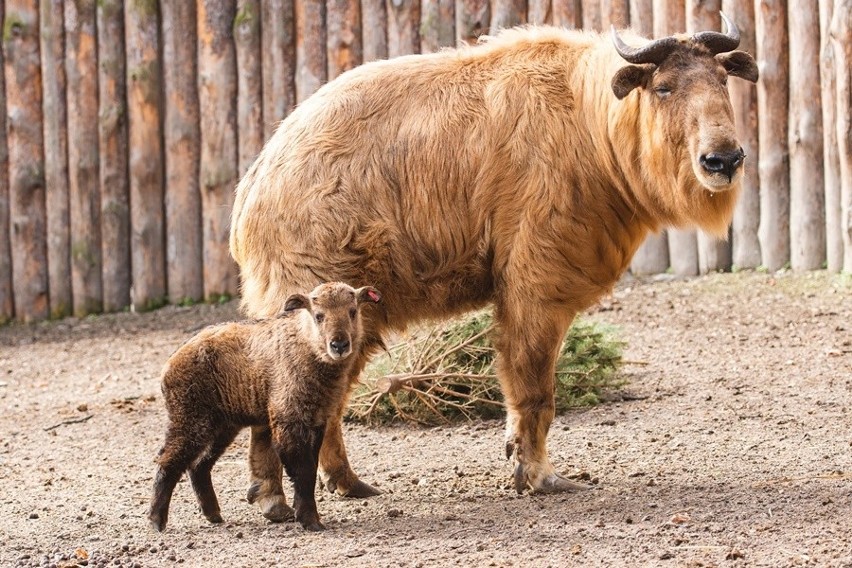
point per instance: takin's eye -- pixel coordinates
(662, 91)
(320, 317)
(352, 313)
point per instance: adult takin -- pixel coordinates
(284, 376)
(522, 172)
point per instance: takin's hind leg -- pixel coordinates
(335, 472)
(266, 472)
(177, 454)
(528, 346)
(199, 475)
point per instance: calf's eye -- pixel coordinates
(319, 317)
(352, 313)
(662, 92)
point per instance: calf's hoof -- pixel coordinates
(157, 522)
(549, 483)
(313, 525)
(353, 490)
(276, 510)
(215, 518)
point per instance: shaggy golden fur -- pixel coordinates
(505, 173)
(285, 376)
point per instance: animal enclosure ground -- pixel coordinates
(731, 445)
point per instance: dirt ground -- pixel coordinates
(729, 446)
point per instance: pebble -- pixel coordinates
(33, 515)
(392, 513)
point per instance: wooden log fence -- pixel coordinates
(128, 124)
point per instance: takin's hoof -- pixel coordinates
(357, 490)
(552, 483)
(214, 518)
(277, 511)
(157, 522)
(314, 526)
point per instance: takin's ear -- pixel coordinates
(296, 302)
(630, 77)
(739, 64)
(368, 294)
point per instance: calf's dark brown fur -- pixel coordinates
(284, 375)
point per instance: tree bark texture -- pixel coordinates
(472, 20)
(831, 157)
(147, 222)
(311, 48)
(745, 244)
(343, 29)
(540, 12)
(27, 215)
(217, 87)
(112, 151)
(772, 104)
(374, 29)
(278, 36)
(182, 145)
(642, 17)
(807, 186)
(81, 69)
(841, 37)
(7, 300)
(508, 13)
(615, 13)
(591, 10)
(51, 23)
(403, 27)
(249, 82)
(567, 13)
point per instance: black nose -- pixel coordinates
(339, 346)
(723, 162)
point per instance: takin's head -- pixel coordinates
(333, 317)
(682, 82)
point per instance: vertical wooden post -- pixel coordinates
(7, 300)
(831, 157)
(508, 13)
(249, 82)
(472, 19)
(311, 61)
(841, 36)
(81, 69)
(56, 157)
(403, 27)
(27, 215)
(772, 98)
(567, 13)
(374, 29)
(344, 48)
(217, 87)
(278, 37)
(713, 253)
(182, 143)
(807, 188)
(642, 17)
(591, 15)
(615, 13)
(653, 256)
(745, 245)
(147, 223)
(669, 18)
(112, 150)
(540, 12)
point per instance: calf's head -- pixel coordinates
(332, 317)
(682, 83)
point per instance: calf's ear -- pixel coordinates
(739, 64)
(628, 78)
(368, 294)
(297, 302)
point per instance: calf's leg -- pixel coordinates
(527, 346)
(298, 447)
(266, 489)
(199, 474)
(178, 452)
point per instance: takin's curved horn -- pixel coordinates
(717, 42)
(654, 52)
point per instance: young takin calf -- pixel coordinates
(288, 373)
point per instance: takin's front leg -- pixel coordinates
(335, 471)
(266, 489)
(528, 346)
(298, 447)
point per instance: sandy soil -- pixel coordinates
(730, 446)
